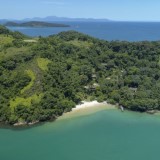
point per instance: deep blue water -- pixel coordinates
(129, 31)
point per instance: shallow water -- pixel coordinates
(107, 134)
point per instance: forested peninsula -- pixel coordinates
(41, 78)
(34, 24)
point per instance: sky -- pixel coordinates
(120, 10)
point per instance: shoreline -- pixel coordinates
(86, 108)
(83, 109)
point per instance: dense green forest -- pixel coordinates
(34, 24)
(41, 78)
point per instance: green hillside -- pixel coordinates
(40, 79)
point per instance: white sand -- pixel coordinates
(86, 108)
(86, 104)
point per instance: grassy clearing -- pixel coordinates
(81, 43)
(30, 40)
(27, 102)
(43, 63)
(33, 77)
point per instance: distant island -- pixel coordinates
(34, 24)
(51, 19)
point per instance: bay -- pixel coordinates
(124, 31)
(107, 134)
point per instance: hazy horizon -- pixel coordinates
(109, 20)
(116, 10)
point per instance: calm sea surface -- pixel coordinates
(105, 135)
(128, 31)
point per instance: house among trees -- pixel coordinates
(133, 89)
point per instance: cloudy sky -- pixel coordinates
(124, 10)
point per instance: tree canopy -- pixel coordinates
(40, 81)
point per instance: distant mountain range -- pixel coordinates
(55, 19)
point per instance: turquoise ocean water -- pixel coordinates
(105, 135)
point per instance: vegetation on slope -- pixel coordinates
(43, 63)
(31, 83)
(51, 76)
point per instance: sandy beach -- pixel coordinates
(86, 108)
(85, 104)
